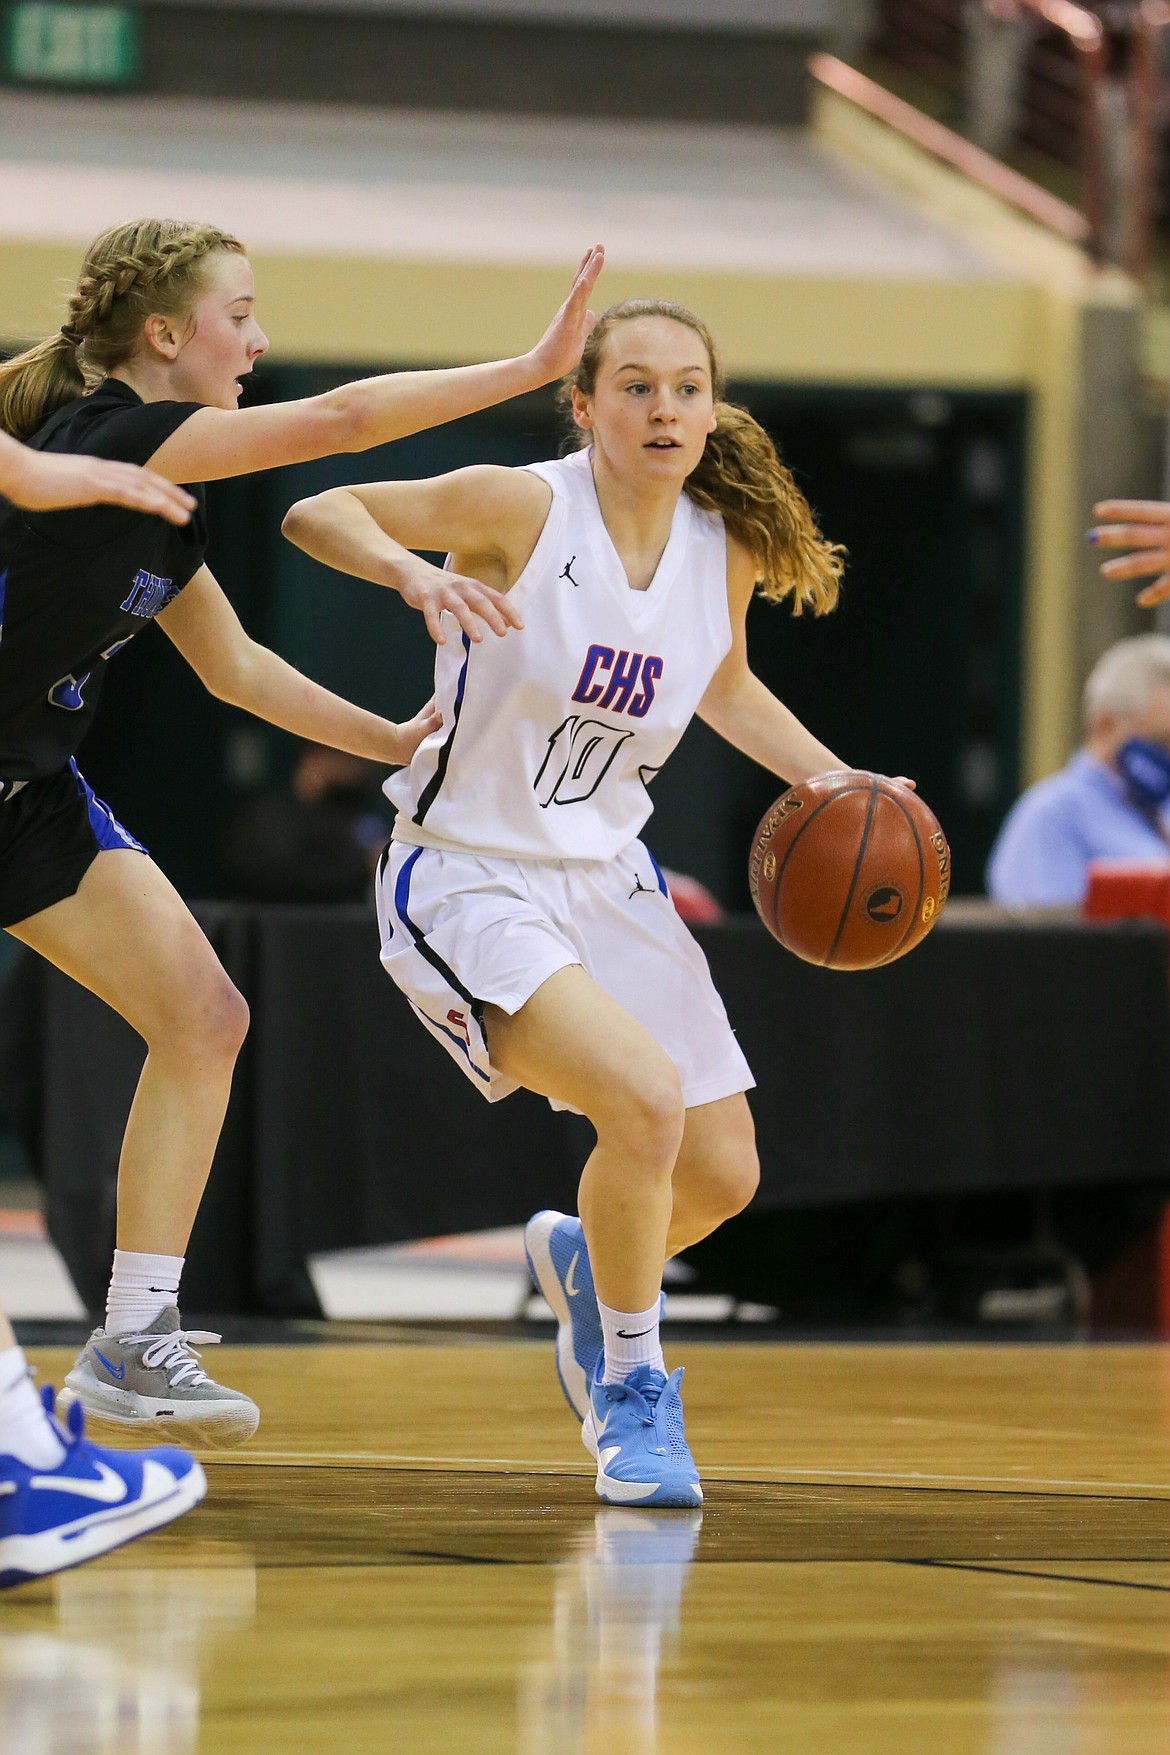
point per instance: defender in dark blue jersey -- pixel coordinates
(163, 320)
(48, 1475)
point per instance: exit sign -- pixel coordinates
(53, 44)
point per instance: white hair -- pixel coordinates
(1123, 679)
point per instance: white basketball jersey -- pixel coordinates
(551, 735)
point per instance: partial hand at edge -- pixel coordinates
(1141, 525)
(412, 732)
(53, 481)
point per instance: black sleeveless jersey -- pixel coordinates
(77, 585)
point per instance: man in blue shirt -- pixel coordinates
(1109, 801)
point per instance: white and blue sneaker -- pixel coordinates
(94, 1500)
(635, 1430)
(558, 1261)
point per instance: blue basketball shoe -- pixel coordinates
(635, 1430)
(94, 1500)
(558, 1261)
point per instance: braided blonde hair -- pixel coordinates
(129, 273)
(740, 475)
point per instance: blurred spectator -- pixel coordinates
(997, 40)
(1110, 802)
(693, 901)
(316, 838)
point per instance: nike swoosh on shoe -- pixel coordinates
(118, 1371)
(571, 1290)
(110, 1490)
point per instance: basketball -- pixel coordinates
(849, 870)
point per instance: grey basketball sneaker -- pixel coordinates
(155, 1378)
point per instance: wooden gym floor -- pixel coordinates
(904, 1551)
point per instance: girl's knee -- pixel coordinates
(738, 1180)
(230, 1019)
(208, 1016)
(646, 1114)
(727, 1177)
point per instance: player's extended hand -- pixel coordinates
(433, 590)
(50, 481)
(412, 731)
(560, 347)
(1141, 525)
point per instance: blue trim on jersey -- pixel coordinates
(108, 832)
(431, 790)
(658, 874)
(458, 1040)
(3, 595)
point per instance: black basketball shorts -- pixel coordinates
(51, 831)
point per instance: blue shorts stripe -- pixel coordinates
(108, 832)
(402, 904)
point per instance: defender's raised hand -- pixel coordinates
(561, 345)
(1144, 527)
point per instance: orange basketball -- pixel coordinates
(849, 870)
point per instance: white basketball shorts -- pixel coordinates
(460, 931)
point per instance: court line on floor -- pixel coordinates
(1022, 1572)
(399, 1556)
(749, 1474)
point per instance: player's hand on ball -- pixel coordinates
(412, 731)
(561, 345)
(48, 482)
(432, 590)
(1144, 527)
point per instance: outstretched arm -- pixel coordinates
(1141, 525)
(489, 518)
(236, 669)
(48, 481)
(739, 707)
(218, 442)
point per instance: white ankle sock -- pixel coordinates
(142, 1287)
(631, 1338)
(25, 1431)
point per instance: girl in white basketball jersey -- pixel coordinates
(524, 920)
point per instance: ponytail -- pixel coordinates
(129, 273)
(740, 476)
(36, 383)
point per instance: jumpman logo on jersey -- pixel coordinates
(567, 574)
(640, 889)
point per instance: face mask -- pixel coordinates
(1145, 768)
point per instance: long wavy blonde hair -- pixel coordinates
(740, 475)
(129, 273)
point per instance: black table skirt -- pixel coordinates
(997, 1056)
